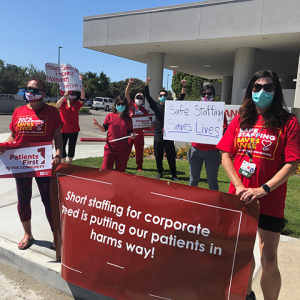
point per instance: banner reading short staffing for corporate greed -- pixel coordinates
(131, 237)
(66, 75)
(194, 121)
(26, 160)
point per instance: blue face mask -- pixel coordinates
(162, 99)
(262, 99)
(120, 108)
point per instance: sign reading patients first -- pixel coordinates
(66, 75)
(194, 121)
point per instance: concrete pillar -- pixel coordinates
(287, 82)
(244, 63)
(155, 70)
(296, 109)
(226, 89)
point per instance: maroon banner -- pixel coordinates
(131, 237)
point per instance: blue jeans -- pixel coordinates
(212, 164)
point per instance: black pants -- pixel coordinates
(72, 137)
(160, 145)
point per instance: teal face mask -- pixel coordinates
(120, 108)
(262, 99)
(162, 99)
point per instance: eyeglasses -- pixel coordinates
(32, 90)
(269, 87)
(162, 95)
(121, 103)
(206, 95)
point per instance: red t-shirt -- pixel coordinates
(29, 127)
(272, 149)
(117, 127)
(208, 147)
(69, 116)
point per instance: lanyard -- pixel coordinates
(250, 153)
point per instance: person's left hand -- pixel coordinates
(183, 82)
(251, 194)
(152, 125)
(132, 136)
(56, 160)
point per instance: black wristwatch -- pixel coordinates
(266, 188)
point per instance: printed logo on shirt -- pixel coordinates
(31, 125)
(263, 142)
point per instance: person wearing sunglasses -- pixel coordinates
(31, 123)
(69, 116)
(209, 154)
(161, 145)
(260, 151)
(118, 124)
(137, 109)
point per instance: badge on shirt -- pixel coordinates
(247, 169)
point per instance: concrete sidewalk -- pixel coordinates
(39, 261)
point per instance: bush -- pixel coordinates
(182, 152)
(84, 111)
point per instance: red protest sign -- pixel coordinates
(26, 160)
(142, 122)
(131, 237)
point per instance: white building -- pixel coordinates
(214, 39)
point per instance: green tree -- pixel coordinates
(118, 88)
(194, 85)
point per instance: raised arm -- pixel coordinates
(183, 90)
(61, 100)
(82, 92)
(151, 102)
(127, 93)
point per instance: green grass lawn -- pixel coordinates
(292, 215)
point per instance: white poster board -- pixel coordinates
(66, 75)
(142, 122)
(194, 121)
(27, 162)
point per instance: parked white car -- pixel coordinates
(101, 102)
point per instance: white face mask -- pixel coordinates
(33, 97)
(72, 97)
(138, 101)
(207, 98)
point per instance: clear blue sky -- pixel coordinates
(31, 31)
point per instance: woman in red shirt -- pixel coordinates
(136, 108)
(260, 151)
(43, 125)
(69, 116)
(210, 154)
(118, 125)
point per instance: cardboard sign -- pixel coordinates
(132, 237)
(142, 122)
(66, 75)
(27, 160)
(194, 121)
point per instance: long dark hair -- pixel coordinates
(117, 100)
(275, 116)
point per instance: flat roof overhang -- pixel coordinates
(200, 38)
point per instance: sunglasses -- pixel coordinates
(162, 95)
(121, 103)
(139, 97)
(32, 90)
(206, 95)
(269, 87)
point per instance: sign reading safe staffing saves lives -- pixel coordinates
(131, 237)
(194, 121)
